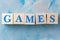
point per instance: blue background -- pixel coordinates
(29, 32)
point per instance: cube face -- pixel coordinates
(7, 18)
(19, 18)
(52, 18)
(40, 18)
(30, 19)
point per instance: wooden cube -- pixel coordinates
(52, 18)
(0, 18)
(19, 18)
(30, 19)
(40, 18)
(7, 18)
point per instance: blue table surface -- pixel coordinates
(29, 32)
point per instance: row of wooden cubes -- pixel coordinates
(44, 16)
